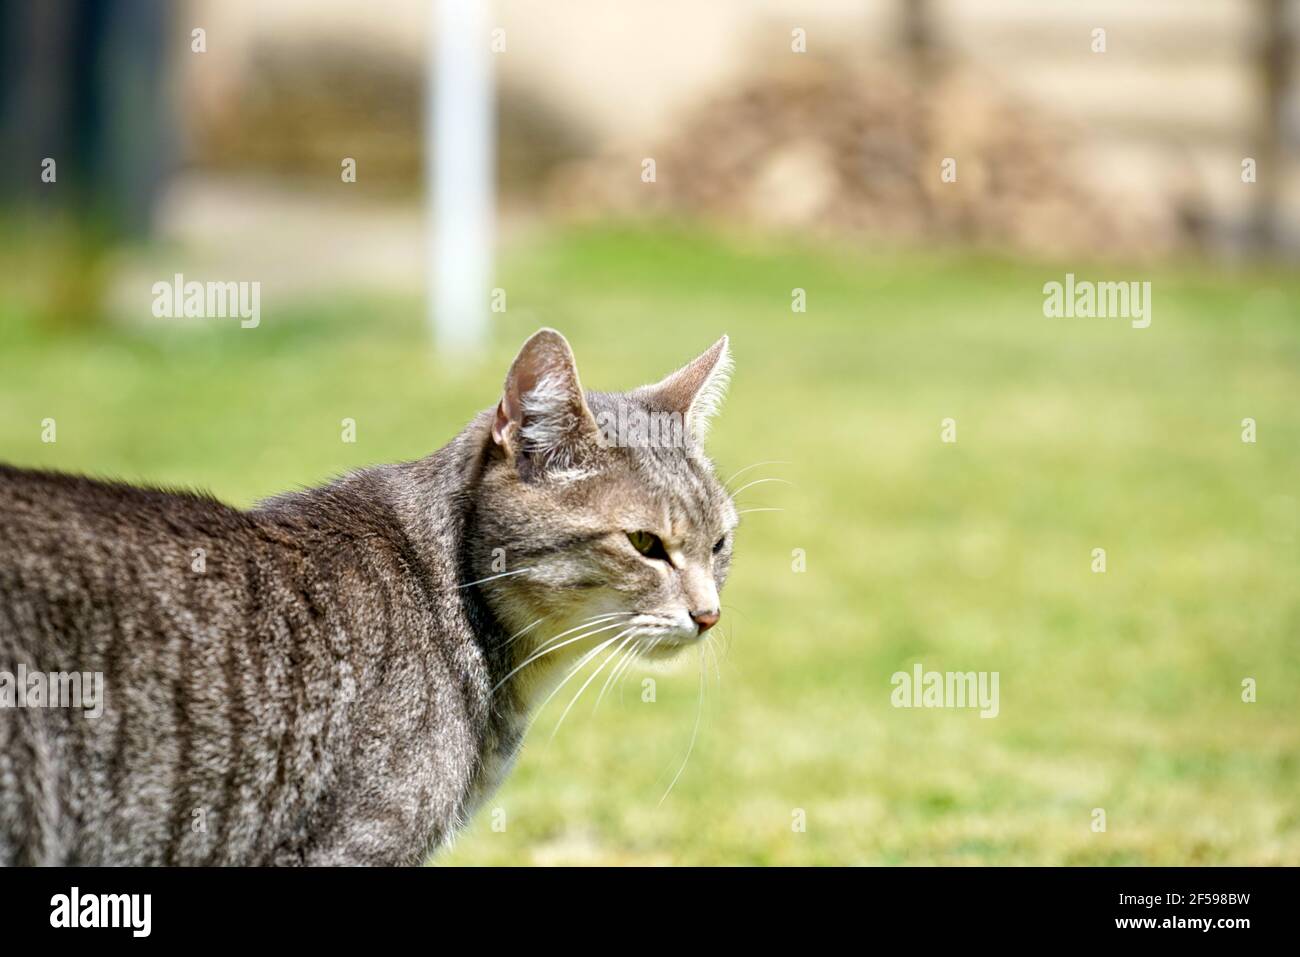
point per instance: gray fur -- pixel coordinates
(328, 689)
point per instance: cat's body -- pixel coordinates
(324, 679)
(319, 692)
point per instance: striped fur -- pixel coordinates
(324, 688)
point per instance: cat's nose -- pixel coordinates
(705, 620)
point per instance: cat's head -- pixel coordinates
(599, 518)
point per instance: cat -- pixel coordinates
(340, 676)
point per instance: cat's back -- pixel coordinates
(55, 512)
(103, 581)
(243, 655)
(70, 542)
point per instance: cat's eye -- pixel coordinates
(648, 544)
(717, 546)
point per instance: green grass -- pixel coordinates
(1119, 691)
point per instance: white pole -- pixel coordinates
(462, 174)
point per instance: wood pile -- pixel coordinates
(830, 149)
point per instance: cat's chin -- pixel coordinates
(669, 647)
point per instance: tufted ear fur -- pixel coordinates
(542, 419)
(696, 390)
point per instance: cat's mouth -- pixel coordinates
(663, 637)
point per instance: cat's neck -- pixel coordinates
(435, 498)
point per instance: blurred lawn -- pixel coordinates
(1119, 691)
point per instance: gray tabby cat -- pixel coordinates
(342, 675)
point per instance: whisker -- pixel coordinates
(724, 645)
(717, 665)
(573, 671)
(520, 634)
(550, 643)
(637, 649)
(491, 578)
(552, 648)
(594, 619)
(699, 712)
(724, 642)
(613, 673)
(754, 466)
(761, 481)
(744, 511)
(733, 608)
(705, 702)
(628, 670)
(608, 658)
(576, 668)
(621, 667)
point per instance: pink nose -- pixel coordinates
(705, 619)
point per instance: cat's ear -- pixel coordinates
(696, 389)
(542, 417)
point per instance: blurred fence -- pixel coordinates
(1182, 92)
(1211, 82)
(1178, 98)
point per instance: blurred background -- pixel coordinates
(417, 187)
